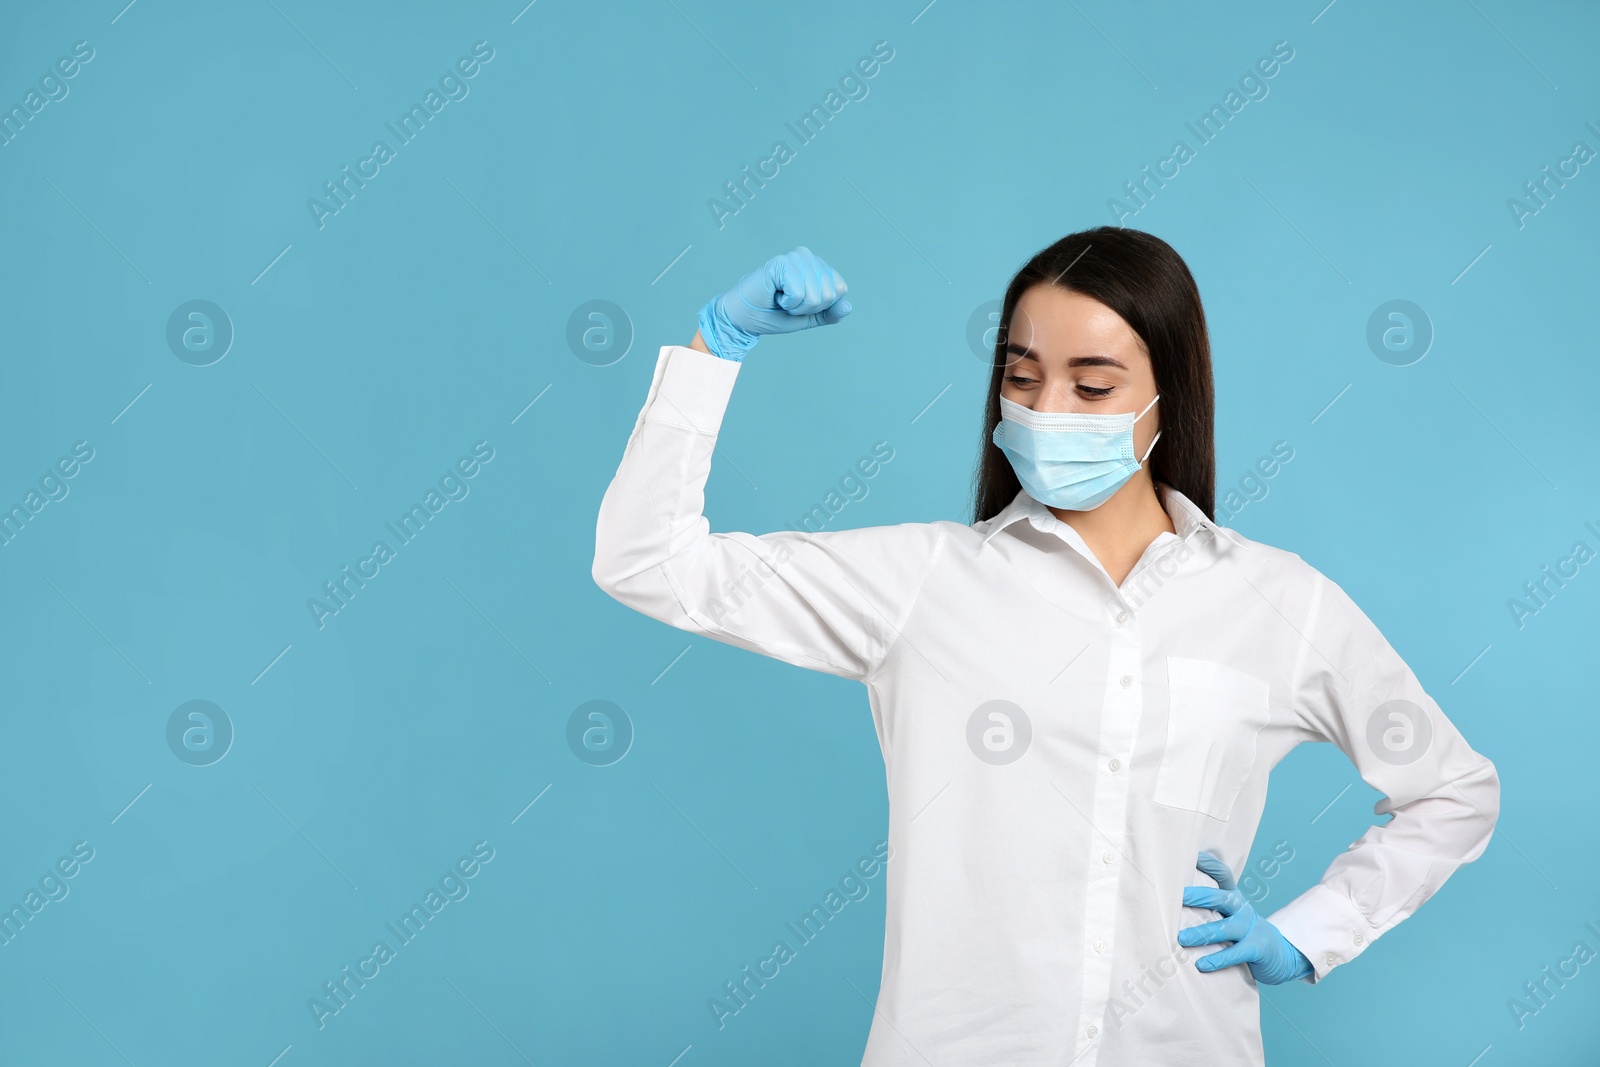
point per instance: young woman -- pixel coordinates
(1079, 695)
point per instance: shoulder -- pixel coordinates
(1275, 569)
(1300, 591)
(1265, 557)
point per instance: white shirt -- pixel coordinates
(1058, 748)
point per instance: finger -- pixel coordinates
(1217, 869)
(827, 287)
(1226, 901)
(1227, 957)
(830, 277)
(811, 278)
(778, 281)
(1227, 928)
(1211, 933)
(823, 284)
(834, 312)
(786, 285)
(757, 288)
(803, 284)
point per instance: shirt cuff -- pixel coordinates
(690, 389)
(1326, 926)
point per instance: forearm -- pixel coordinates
(1393, 869)
(832, 601)
(1444, 796)
(654, 503)
(699, 344)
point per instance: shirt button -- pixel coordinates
(1093, 1031)
(1125, 681)
(1109, 856)
(1099, 944)
(1122, 616)
(1116, 763)
(1359, 939)
(1332, 959)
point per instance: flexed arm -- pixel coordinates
(833, 601)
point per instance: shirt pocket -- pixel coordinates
(1214, 713)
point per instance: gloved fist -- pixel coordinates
(794, 291)
(1256, 941)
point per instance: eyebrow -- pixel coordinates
(1076, 361)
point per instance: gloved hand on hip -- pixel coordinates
(1272, 959)
(793, 291)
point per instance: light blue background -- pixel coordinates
(428, 314)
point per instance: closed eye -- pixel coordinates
(1086, 390)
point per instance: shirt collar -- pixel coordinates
(1187, 518)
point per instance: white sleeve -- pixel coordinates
(833, 601)
(1353, 689)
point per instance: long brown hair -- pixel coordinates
(1142, 279)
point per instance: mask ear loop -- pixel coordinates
(1157, 437)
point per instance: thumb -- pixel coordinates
(833, 312)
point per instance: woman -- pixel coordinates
(1080, 695)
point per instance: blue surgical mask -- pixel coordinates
(1069, 460)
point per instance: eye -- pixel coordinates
(1087, 390)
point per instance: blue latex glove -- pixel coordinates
(1255, 940)
(794, 291)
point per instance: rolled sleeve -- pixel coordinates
(1354, 690)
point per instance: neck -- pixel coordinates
(1119, 530)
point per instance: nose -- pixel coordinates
(1056, 399)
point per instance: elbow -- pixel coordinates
(599, 573)
(1481, 790)
(609, 566)
(605, 565)
(606, 572)
(622, 577)
(624, 551)
(633, 565)
(1491, 792)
